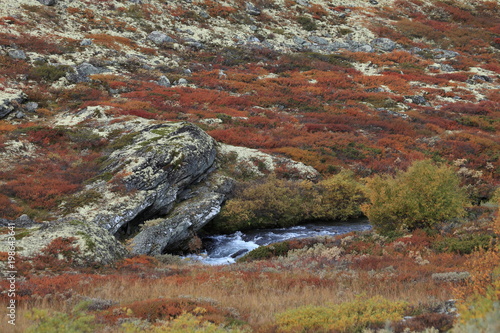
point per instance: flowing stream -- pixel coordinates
(225, 249)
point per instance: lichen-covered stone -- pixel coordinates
(95, 244)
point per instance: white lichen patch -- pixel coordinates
(251, 158)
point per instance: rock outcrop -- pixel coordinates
(96, 245)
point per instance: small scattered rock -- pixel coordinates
(83, 71)
(164, 81)
(419, 100)
(252, 9)
(48, 2)
(181, 82)
(444, 54)
(159, 38)
(447, 68)
(17, 54)
(31, 106)
(86, 42)
(479, 78)
(384, 44)
(318, 40)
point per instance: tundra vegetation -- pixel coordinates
(404, 133)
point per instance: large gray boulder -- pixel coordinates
(146, 174)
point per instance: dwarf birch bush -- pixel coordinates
(421, 197)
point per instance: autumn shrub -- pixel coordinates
(481, 313)
(276, 202)
(60, 254)
(421, 197)
(273, 203)
(338, 197)
(441, 321)
(345, 317)
(465, 244)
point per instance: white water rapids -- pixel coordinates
(225, 249)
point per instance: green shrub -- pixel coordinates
(345, 317)
(421, 197)
(49, 73)
(307, 23)
(463, 245)
(266, 252)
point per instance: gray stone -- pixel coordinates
(420, 100)
(161, 161)
(181, 82)
(174, 232)
(10, 101)
(253, 39)
(444, 54)
(253, 28)
(164, 81)
(83, 71)
(31, 106)
(303, 3)
(17, 54)
(479, 78)
(48, 2)
(204, 14)
(22, 221)
(86, 42)
(252, 9)
(300, 41)
(318, 40)
(359, 47)
(447, 68)
(20, 115)
(194, 43)
(337, 45)
(384, 44)
(159, 38)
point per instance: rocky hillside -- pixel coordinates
(106, 105)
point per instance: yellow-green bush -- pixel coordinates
(422, 196)
(279, 203)
(345, 317)
(338, 197)
(273, 203)
(76, 322)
